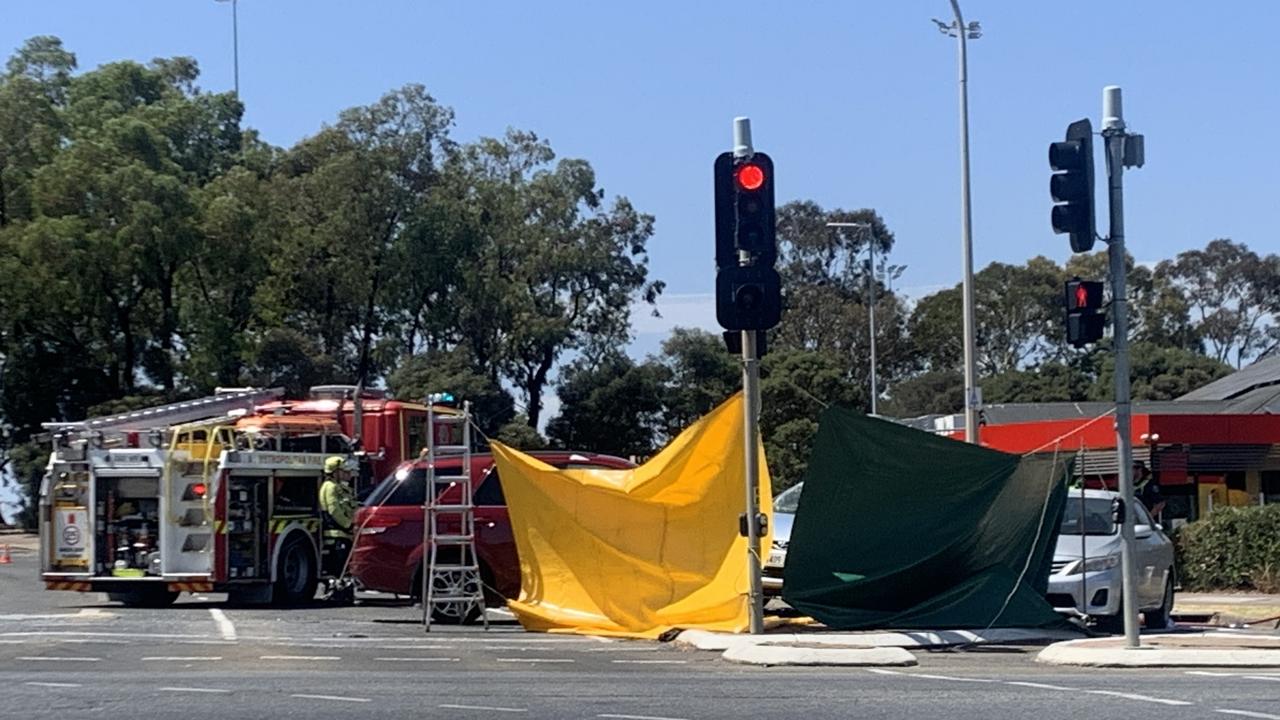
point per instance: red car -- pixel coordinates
(388, 551)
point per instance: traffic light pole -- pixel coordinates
(1113, 133)
(750, 423)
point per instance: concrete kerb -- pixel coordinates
(706, 640)
(1104, 652)
(845, 656)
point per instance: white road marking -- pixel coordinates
(1247, 713)
(535, 660)
(196, 690)
(53, 684)
(879, 671)
(181, 658)
(71, 633)
(336, 698)
(299, 657)
(484, 707)
(59, 659)
(1135, 696)
(651, 662)
(414, 647)
(1206, 673)
(204, 642)
(1042, 686)
(637, 717)
(1272, 678)
(947, 677)
(225, 627)
(12, 642)
(418, 659)
(94, 641)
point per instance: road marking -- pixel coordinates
(414, 647)
(947, 677)
(336, 698)
(13, 642)
(299, 657)
(651, 662)
(1272, 678)
(73, 633)
(535, 660)
(418, 659)
(224, 624)
(1135, 696)
(879, 671)
(59, 659)
(1247, 713)
(181, 658)
(204, 642)
(484, 707)
(94, 641)
(637, 717)
(1042, 686)
(53, 684)
(1206, 673)
(196, 690)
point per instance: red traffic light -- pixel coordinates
(1082, 296)
(750, 176)
(198, 489)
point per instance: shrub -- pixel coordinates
(1231, 549)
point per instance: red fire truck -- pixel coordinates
(198, 496)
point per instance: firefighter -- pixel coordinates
(338, 509)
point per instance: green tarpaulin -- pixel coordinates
(899, 528)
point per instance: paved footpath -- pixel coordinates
(66, 655)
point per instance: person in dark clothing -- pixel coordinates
(1147, 489)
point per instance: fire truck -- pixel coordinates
(201, 496)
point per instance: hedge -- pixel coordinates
(1231, 549)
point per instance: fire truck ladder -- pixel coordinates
(451, 579)
(224, 401)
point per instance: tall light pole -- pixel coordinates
(871, 303)
(235, 43)
(962, 32)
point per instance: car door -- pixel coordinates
(1149, 554)
(496, 544)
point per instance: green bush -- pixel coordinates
(1231, 549)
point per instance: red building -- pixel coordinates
(1218, 445)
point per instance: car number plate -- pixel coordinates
(777, 558)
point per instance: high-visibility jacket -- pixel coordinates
(339, 506)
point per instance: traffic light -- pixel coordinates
(1071, 185)
(1085, 316)
(748, 296)
(745, 217)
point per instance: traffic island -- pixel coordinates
(1210, 649)
(814, 655)
(922, 639)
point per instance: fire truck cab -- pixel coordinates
(202, 496)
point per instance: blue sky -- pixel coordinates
(855, 101)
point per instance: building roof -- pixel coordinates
(1263, 375)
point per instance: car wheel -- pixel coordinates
(295, 573)
(455, 583)
(1162, 617)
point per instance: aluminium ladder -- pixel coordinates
(451, 581)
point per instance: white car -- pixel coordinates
(1086, 575)
(784, 513)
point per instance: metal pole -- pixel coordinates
(871, 313)
(970, 352)
(235, 44)
(1113, 133)
(750, 421)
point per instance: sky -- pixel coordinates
(855, 101)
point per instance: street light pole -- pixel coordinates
(963, 33)
(871, 302)
(235, 43)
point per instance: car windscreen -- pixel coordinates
(788, 500)
(399, 488)
(1097, 514)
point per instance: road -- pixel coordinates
(67, 655)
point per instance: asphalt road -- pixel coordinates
(67, 655)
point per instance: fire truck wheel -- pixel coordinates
(295, 573)
(149, 598)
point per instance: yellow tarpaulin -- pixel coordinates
(636, 552)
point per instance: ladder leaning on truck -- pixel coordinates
(200, 496)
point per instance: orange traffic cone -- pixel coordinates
(5, 558)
